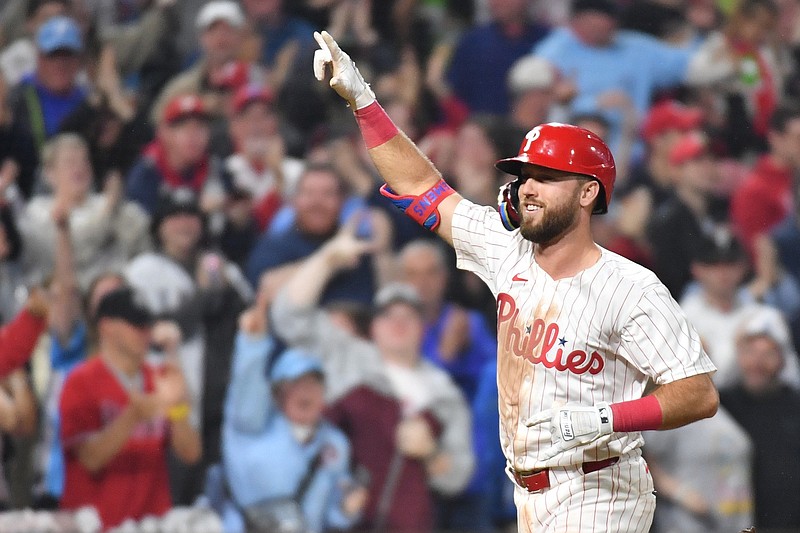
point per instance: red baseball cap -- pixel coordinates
(185, 106)
(248, 94)
(688, 147)
(668, 115)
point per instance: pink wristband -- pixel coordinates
(637, 415)
(376, 126)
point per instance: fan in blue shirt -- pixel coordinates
(601, 61)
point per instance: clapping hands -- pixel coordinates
(169, 391)
(415, 438)
(170, 386)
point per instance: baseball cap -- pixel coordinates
(397, 292)
(530, 72)
(670, 115)
(222, 10)
(179, 201)
(184, 106)
(248, 94)
(766, 321)
(688, 147)
(726, 249)
(609, 7)
(124, 304)
(59, 33)
(294, 363)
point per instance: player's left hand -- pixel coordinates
(346, 80)
(573, 425)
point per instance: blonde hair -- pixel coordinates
(52, 147)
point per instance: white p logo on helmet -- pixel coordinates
(530, 137)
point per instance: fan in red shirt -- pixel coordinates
(765, 196)
(119, 414)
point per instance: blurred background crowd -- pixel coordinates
(211, 318)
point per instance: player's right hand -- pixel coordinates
(572, 426)
(347, 81)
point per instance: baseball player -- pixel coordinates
(581, 330)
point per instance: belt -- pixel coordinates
(540, 479)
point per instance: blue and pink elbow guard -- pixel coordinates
(377, 128)
(424, 209)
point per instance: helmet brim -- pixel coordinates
(512, 165)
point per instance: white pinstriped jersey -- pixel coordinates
(597, 336)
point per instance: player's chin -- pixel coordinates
(530, 223)
(528, 234)
(539, 233)
(532, 219)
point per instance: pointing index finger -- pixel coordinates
(331, 44)
(321, 42)
(322, 57)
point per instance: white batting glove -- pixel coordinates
(574, 425)
(347, 81)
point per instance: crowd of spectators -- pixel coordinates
(207, 307)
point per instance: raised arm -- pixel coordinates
(248, 402)
(304, 287)
(65, 308)
(413, 183)
(297, 320)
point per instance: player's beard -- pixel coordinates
(554, 222)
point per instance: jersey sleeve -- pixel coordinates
(659, 341)
(479, 239)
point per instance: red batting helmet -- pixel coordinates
(570, 149)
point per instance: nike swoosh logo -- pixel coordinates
(518, 278)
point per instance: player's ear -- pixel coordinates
(590, 192)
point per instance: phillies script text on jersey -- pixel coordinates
(538, 334)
